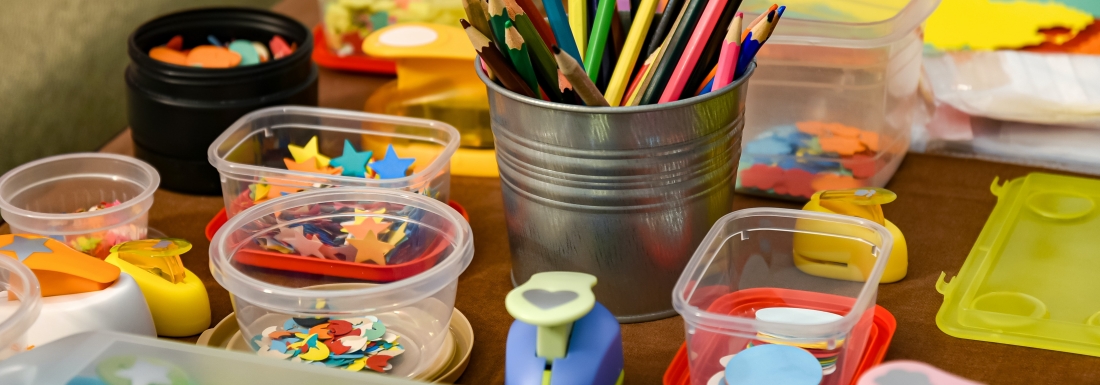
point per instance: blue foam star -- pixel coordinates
(391, 166)
(25, 247)
(353, 162)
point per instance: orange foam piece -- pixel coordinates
(842, 130)
(168, 55)
(210, 56)
(869, 139)
(841, 145)
(835, 182)
(811, 127)
(64, 270)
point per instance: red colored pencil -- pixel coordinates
(727, 59)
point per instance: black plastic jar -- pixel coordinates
(175, 112)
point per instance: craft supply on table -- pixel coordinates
(392, 277)
(795, 161)
(113, 358)
(212, 53)
(88, 201)
(561, 334)
(347, 23)
(176, 297)
(78, 292)
(1022, 282)
(836, 258)
(742, 290)
(909, 373)
(590, 32)
(279, 151)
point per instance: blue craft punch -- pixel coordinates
(561, 335)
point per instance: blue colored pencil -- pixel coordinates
(756, 39)
(559, 23)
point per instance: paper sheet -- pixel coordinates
(999, 24)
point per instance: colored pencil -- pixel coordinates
(545, 66)
(673, 50)
(727, 60)
(702, 89)
(568, 95)
(709, 57)
(610, 52)
(491, 57)
(533, 13)
(756, 39)
(671, 14)
(646, 77)
(637, 80)
(597, 41)
(757, 20)
(498, 15)
(517, 51)
(580, 81)
(559, 23)
(631, 48)
(578, 22)
(477, 15)
(694, 48)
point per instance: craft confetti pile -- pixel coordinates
(216, 54)
(353, 344)
(350, 163)
(826, 357)
(798, 160)
(352, 238)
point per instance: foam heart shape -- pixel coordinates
(547, 300)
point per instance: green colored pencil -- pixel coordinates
(597, 41)
(497, 16)
(675, 48)
(546, 68)
(475, 12)
(517, 51)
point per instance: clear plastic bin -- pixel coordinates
(103, 357)
(412, 296)
(60, 197)
(250, 154)
(844, 64)
(754, 259)
(18, 283)
(346, 23)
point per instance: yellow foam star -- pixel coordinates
(397, 235)
(303, 153)
(370, 249)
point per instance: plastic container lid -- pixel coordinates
(20, 282)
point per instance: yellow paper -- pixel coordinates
(998, 24)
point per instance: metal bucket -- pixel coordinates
(622, 193)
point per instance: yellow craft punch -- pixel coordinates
(839, 257)
(176, 297)
(436, 80)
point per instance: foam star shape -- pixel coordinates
(145, 373)
(259, 191)
(361, 230)
(353, 162)
(360, 218)
(302, 244)
(370, 249)
(309, 165)
(301, 154)
(391, 166)
(397, 235)
(24, 247)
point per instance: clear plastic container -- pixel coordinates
(250, 154)
(20, 284)
(55, 197)
(346, 23)
(273, 291)
(850, 63)
(754, 259)
(103, 357)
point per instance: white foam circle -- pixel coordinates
(408, 36)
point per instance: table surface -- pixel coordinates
(943, 204)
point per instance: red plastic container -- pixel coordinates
(324, 57)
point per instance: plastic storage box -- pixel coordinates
(407, 303)
(117, 358)
(19, 282)
(747, 264)
(346, 23)
(55, 197)
(834, 97)
(250, 154)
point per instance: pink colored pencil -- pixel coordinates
(727, 58)
(691, 54)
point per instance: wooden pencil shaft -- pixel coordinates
(692, 51)
(709, 57)
(545, 66)
(578, 22)
(533, 13)
(647, 76)
(629, 54)
(492, 58)
(517, 52)
(597, 41)
(581, 83)
(559, 23)
(672, 13)
(478, 17)
(498, 15)
(673, 51)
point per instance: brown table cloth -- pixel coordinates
(943, 204)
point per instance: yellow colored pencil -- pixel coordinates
(629, 55)
(578, 22)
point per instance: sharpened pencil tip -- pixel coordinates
(556, 49)
(465, 24)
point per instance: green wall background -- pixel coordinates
(61, 71)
